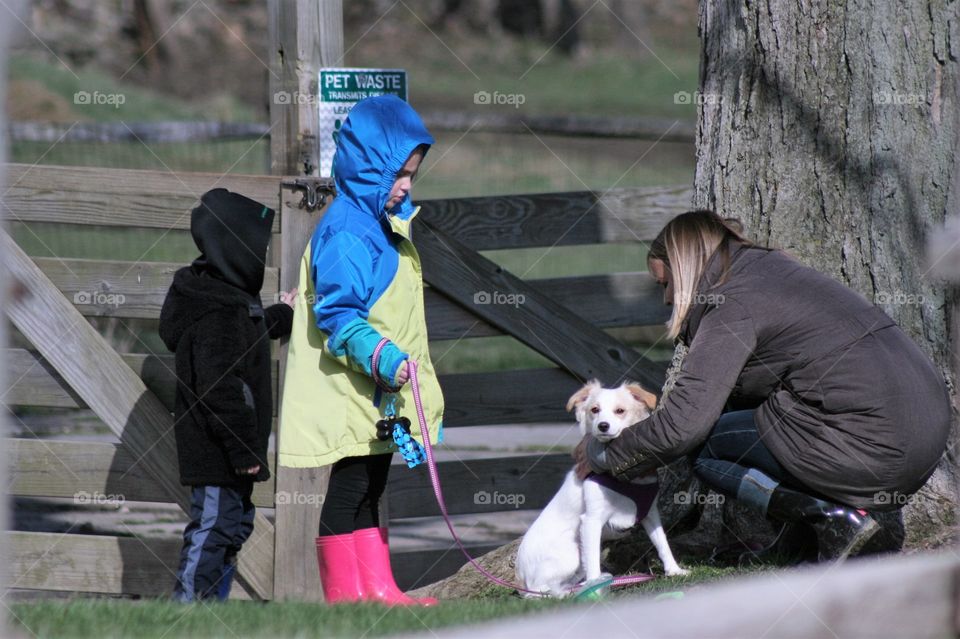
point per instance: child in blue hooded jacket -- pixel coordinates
(361, 281)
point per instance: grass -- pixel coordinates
(105, 619)
(41, 90)
(446, 70)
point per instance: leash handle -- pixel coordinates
(438, 492)
(375, 373)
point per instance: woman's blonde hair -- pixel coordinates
(685, 245)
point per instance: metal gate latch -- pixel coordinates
(316, 191)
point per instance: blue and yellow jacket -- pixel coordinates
(360, 280)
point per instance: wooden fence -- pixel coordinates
(71, 365)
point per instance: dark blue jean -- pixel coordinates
(221, 519)
(733, 447)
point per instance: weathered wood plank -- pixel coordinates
(117, 395)
(557, 219)
(56, 468)
(93, 563)
(109, 565)
(507, 397)
(159, 199)
(52, 468)
(539, 322)
(120, 197)
(34, 382)
(99, 564)
(534, 395)
(479, 485)
(103, 288)
(113, 288)
(606, 301)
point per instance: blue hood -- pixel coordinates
(378, 136)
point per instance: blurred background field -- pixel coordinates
(628, 59)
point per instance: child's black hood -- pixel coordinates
(232, 233)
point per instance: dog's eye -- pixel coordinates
(619, 411)
(595, 410)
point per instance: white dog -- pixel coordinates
(562, 547)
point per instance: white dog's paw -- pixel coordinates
(677, 572)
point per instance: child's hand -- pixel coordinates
(253, 470)
(289, 298)
(403, 375)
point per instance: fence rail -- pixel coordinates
(640, 128)
(133, 393)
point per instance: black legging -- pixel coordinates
(353, 495)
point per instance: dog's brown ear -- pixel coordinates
(581, 395)
(642, 395)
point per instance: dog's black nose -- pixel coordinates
(603, 427)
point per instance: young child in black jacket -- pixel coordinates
(214, 321)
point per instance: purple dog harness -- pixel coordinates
(642, 495)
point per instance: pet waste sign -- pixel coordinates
(340, 89)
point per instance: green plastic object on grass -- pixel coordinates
(594, 590)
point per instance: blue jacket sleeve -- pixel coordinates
(342, 271)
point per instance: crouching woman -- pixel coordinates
(849, 416)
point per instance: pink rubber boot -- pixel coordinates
(337, 558)
(376, 575)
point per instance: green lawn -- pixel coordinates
(42, 90)
(105, 619)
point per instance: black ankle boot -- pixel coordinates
(841, 530)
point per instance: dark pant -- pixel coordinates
(221, 519)
(733, 448)
(353, 495)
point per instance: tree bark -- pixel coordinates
(831, 130)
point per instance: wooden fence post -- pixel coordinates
(6, 29)
(305, 35)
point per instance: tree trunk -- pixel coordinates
(831, 130)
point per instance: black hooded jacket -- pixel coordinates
(213, 320)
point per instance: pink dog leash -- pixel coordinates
(435, 480)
